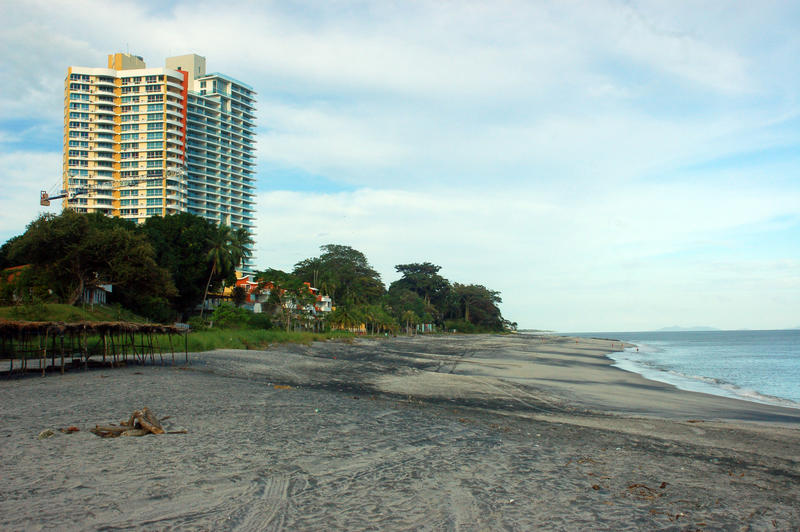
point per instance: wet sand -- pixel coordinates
(437, 433)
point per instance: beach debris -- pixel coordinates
(69, 430)
(640, 491)
(140, 423)
(45, 434)
(282, 387)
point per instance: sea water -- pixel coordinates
(760, 366)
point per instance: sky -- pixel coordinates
(605, 165)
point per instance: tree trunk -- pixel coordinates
(76, 295)
(208, 284)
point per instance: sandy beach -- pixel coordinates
(433, 433)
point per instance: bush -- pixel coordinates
(226, 316)
(197, 323)
(260, 321)
(466, 327)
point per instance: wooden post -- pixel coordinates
(85, 339)
(133, 344)
(62, 355)
(171, 348)
(44, 351)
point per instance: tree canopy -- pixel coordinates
(180, 242)
(343, 273)
(73, 252)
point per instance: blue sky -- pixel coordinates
(605, 165)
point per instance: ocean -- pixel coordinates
(759, 366)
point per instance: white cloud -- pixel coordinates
(575, 155)
(549, 254)
(24, 175)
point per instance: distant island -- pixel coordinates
(676, 328)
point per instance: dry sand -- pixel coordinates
(437, 433)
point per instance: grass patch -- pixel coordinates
(68, 313)
(250, 338)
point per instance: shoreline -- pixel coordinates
(469, 432)
(700, 384)
(691, 382)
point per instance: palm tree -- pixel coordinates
(410, 318)
(219, 255)
(240, 243)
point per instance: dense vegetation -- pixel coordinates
(163, 269)
(420, 296)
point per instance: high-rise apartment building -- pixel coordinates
(141, 142)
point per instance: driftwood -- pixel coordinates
(140, 423)
(148, 421)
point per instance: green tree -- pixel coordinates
(241, 246)
(343, 273)
(344, 318)
(75, 252)
(478, 305)
(238, 295)
(227, 248)
(218, 256)
(288, 297)
(5, 259)
(410, 318)
(424, 279)
(180, 242)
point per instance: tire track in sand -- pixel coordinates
(268, 511)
